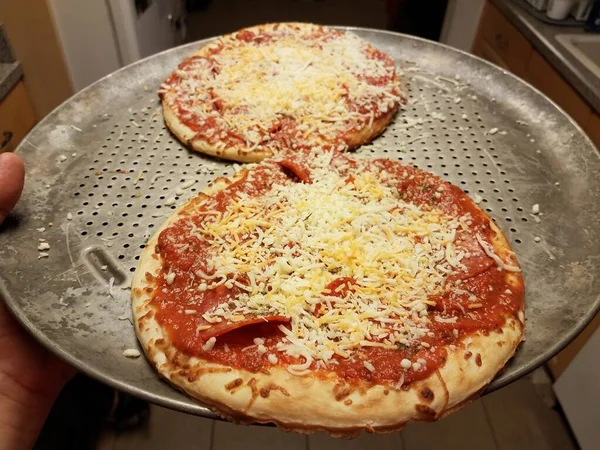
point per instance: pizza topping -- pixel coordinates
(291, 86)
(490, 252)
(369, 366)
(387, 257)
(358, 271)
(210, 343)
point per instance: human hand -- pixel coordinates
(30, 377)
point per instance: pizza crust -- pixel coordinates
(309, 403)
(242, 153)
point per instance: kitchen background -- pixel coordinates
(50, 49)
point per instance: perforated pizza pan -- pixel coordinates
(103, 173)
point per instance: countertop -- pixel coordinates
(542, 37)
(10, 69)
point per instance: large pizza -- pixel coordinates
(286, 86)
(323, 292)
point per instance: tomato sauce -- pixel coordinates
(187, 330)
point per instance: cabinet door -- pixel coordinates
(550, 82)
(16, 118)
(593, 129)
(504, 39)
(485, 51)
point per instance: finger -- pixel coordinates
(12, 177)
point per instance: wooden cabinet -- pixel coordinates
(500, 43)
(506, 46)
(485, 51)
(593, 129)
(16, 118)
(33, 36)
(541, 74)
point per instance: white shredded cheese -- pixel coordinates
(209, 344)
(488, 251)
(43, 246)
(369, 366)
(188, 184)
(131, 353)
(170, 278)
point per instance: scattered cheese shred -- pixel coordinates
(209, 344)
(131, 353)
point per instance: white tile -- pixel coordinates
(234, 437)
(167, 429)
(521, 420)
(322, 441)
(467, 428)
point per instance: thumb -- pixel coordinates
(12, 177)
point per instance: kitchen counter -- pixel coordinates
(542, 37)
(10, 69)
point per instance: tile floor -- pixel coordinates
(518, 417)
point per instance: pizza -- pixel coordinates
(319, 291)
(284, 86)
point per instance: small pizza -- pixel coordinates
(323, 292)
(284, 86)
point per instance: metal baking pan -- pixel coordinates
(103, 170)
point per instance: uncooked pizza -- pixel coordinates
(285, 86)
(323, 292)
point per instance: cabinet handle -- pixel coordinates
(501, 42)
(7, 138)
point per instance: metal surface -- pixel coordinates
(120, 165)
(586, 48)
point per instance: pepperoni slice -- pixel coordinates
(299, 171)
(226, 327)
(476, 261)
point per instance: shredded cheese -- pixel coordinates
(490, 252)
(323, 79)
(284, 248)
